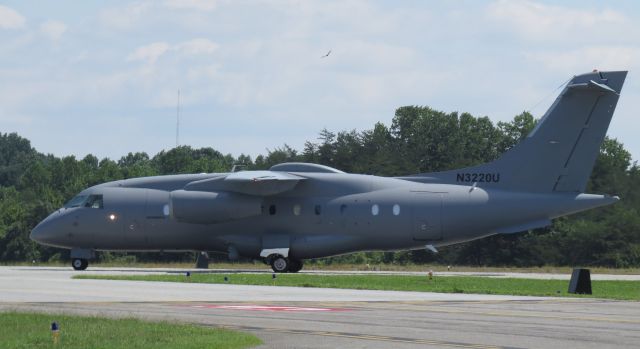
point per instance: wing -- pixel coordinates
(260, 183)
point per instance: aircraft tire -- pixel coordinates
(79, 264)
(280, 264)
(296, 266)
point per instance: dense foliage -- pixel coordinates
(419, 139)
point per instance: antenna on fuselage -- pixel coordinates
(178, 121)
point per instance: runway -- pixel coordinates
(290, 317)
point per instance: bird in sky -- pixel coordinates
(327, 55)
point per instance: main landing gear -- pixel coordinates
(281, 264)
(79, 264)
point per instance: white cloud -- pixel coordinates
(125, 17)
(53, 29)
(10, 18)
(149, 53)
(548, 22)
(196, 46)
(587, 58)
(201, 5)
(152, 52)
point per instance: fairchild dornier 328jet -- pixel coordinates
(297, 211)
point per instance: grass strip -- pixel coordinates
(340, 267)
(623, 290)
(32, 330)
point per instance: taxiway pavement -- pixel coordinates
(291, 317)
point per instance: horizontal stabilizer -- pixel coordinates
(591, 85)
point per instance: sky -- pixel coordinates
(102, 77)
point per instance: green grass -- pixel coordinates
(627, 290)
(336, 266)
(32, 330)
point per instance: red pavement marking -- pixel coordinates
(253, 307)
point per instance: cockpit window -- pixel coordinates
(94, 201)
(76, 201)
(90, 201)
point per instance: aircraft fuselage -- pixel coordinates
(328, 214)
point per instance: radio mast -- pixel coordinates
(178, 121)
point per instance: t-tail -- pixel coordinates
(559, 154)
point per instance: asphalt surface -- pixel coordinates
(290, 317)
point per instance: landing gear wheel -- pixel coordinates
(280, 264)
(295, 266)
(79, 264)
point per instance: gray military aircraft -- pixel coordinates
(297, 211)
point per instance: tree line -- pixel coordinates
(419, 139)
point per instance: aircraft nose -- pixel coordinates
(45, 232)
(41, 233)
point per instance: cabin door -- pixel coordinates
(427, 216)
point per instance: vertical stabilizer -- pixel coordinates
(559, 154)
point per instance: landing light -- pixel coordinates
(112, 217)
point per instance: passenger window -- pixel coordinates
(297, 209)
(343, 209)
(272, 210)
(375, 209)
(94, 201)
(318, 210)
(396, 209)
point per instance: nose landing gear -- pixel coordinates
(80, 258)
(79, 264)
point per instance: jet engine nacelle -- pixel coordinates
(202, 207)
